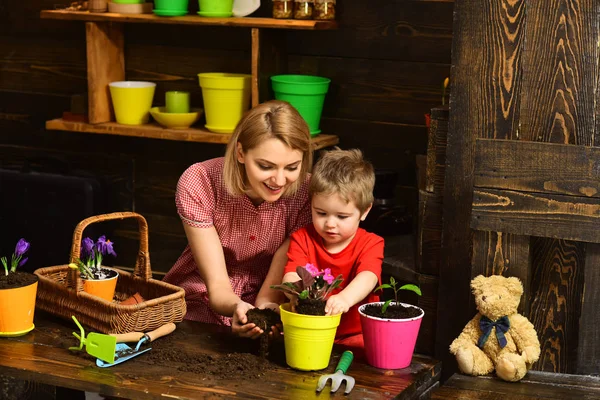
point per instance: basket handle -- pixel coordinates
(142, 265)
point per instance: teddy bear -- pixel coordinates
(497, 338)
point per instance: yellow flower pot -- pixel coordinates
(308, 339)
(17, 307)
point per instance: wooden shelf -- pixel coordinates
(154, 131)
(245, 22)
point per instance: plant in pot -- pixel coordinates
(390, 328)
(308, 332)
(17, 294)
(98, 280)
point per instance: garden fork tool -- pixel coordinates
(340, 375)
(123, 352)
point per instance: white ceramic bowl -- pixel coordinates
(242, 8)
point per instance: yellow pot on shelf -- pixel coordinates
(132, 101)
(226, 98)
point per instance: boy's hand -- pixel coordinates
(336, 304)
(239, 325)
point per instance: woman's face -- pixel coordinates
(271, 168)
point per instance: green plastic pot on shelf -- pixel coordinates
(306, 93)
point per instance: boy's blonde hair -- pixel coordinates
(272, 119)
(346, 173)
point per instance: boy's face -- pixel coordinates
(335, 220)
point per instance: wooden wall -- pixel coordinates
(387, 63)
(526, 76)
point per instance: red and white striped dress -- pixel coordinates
(250, 235)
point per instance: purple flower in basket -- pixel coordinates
(17, 259)
(105, 246)
(92, 254)
(87, 248)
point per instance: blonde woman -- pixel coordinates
(238, 212)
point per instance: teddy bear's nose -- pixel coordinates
(483, 298)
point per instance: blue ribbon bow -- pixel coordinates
(485, 324)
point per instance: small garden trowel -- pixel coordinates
(123, 352)
(98, 345)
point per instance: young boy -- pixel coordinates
(341, 190)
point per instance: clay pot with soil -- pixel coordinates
(390, 329)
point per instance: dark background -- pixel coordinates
(387, 62)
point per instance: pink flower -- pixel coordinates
(314, 271)
(327, 277)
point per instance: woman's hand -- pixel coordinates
(336, 304)
(276, 330)
(240, 325)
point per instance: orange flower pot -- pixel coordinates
(16, 310)
(103, 288)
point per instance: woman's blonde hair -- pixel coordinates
(272, 119)
(347, 174)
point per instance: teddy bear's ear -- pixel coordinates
(478, 282)
(514, 285)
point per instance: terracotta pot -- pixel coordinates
(17, 307)
(103, 288)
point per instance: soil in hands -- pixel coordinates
(264, 319)
(16, 279)
(310, 307)
(394, 311)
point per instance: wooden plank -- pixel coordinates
(537, 167)
(401, 30)
(557, 279)
(537, 214)
(485, 87)
(42, 356)
(535, 386)
(436, 150)
(154, 131)
(429, 233)
(255, 64)
(500, 253)
(105, 64)
(273, 60)
(558, 106)
(246, 22)
(588, 351)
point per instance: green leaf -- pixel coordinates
(385, 306)
(384, 286)
(303, 294)
(411, 287)
(392, 281)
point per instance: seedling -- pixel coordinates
(392, 285)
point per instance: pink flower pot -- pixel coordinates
(389, 343)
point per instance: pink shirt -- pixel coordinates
(250, 235)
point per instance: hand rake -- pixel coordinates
(340, 375)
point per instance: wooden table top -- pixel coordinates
(42, 356)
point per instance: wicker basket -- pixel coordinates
(60, 290)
